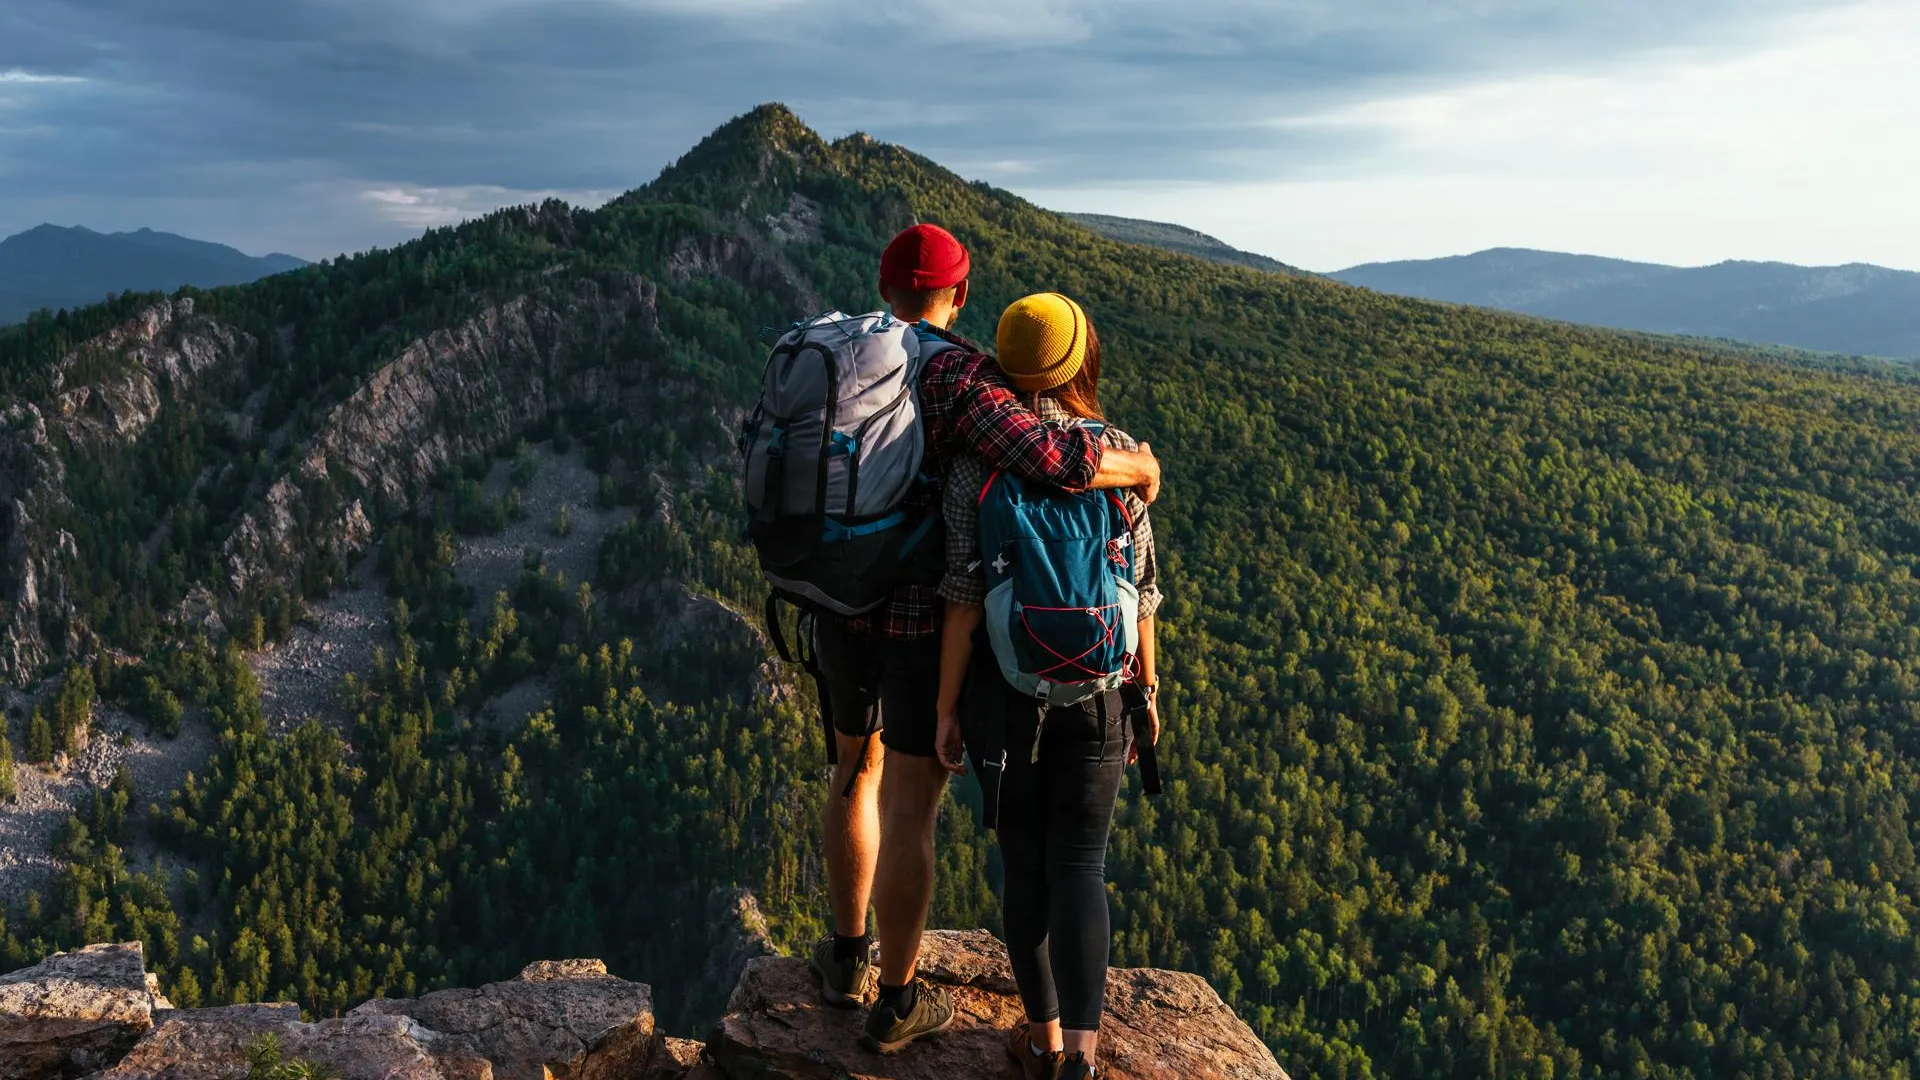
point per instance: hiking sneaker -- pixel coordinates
(887, 1031)
(1076, 1067)
(1033, 1066)
(844, 984)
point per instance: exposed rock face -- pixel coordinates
(164, 349)
(75, 1012)
(128, 373)
(34, 554)
(204, 1044)
(450, 396)
(1160, 1025)
(564, 1020)
(743, 938)
(746, 257)
(569, 1018)
(677, 1058)
(803, 223)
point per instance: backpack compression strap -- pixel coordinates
(809, 662)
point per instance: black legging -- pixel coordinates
(1054, 821)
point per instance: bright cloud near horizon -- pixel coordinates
(1804, 149)
(1322, 132)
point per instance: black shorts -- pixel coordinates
(878, 683)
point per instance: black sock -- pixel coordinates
(901, 999)
(851, 948)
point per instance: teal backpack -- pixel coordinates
(1062, 610)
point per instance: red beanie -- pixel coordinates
(925, 258)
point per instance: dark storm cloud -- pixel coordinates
(271, 123)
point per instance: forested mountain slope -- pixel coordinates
(1857, 309)
(1541, 701)
(52, 267)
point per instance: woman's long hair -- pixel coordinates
(1080, 395)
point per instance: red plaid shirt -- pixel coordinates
(969, 409)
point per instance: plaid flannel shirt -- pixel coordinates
(966, 579)
(969, 409)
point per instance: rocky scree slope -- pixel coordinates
(94, 1013)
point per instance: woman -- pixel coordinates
(1055, 806)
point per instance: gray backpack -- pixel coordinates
(831, 454)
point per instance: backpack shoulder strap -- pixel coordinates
(988, 486)
(933, 342)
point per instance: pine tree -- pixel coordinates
(73, 711)
(39, 738)
(7, 787)
(185, 991)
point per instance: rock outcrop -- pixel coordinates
(565, 1020)
(75, 1012)
(1160, 1025)
(94, 1014)
(743, 938)
(161, 352)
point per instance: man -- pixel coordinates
(883, 670)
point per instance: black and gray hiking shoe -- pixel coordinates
(1076, 1067)
(844, 984)
(888, 1031)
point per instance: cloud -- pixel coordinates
(15, 75)
(1794, 151)
(1828, 80)
(427, 208)
(243, 110)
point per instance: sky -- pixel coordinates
(1325, 133)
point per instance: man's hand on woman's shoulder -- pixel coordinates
(1137, 470)
(1150, 490)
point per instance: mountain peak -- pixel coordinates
(49, 229)
(743, 154)
(771, 117)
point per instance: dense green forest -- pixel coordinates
(1542, 701)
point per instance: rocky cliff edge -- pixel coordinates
(96, 1014)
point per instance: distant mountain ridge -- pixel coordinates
(1179, 238)
(54, 267)
(1857, 309)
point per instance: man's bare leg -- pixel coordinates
(910, 791)
(853, 833)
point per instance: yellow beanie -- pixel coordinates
(1042, 341)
